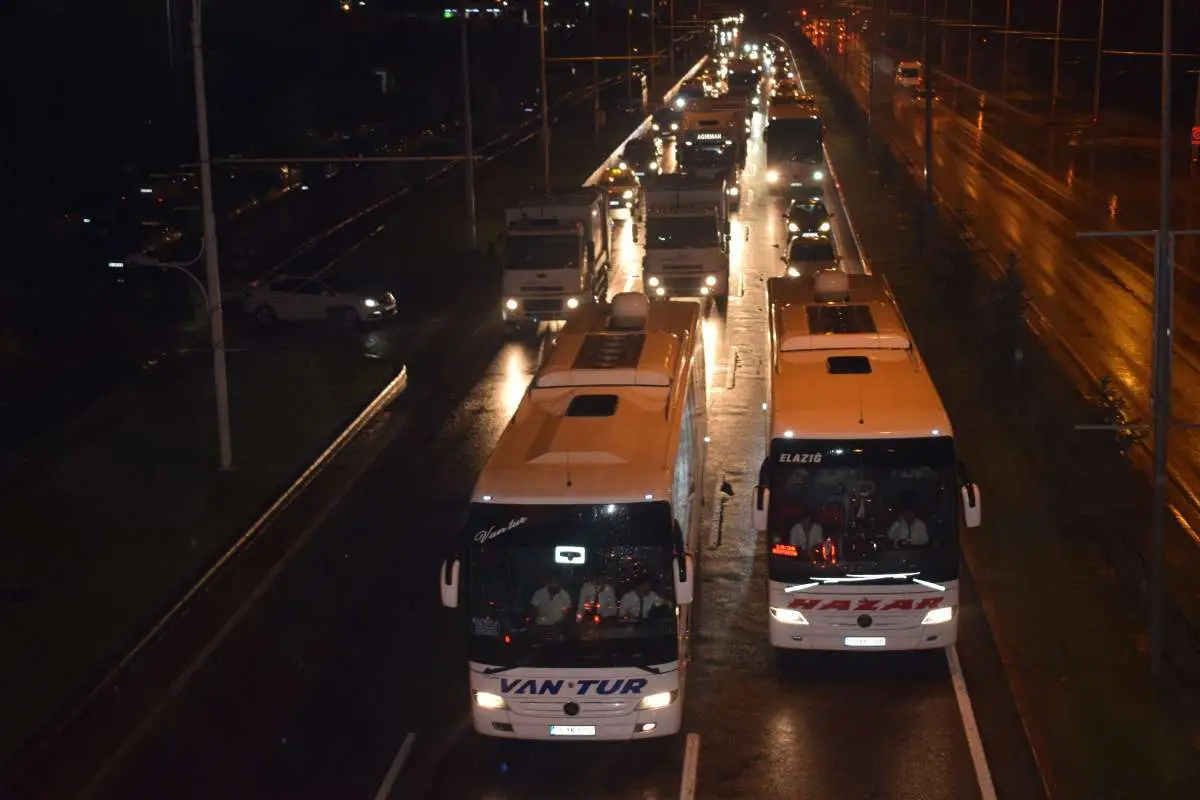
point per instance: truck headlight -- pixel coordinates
(732, 191)
(711, 280)
(680, 102)
(490, 701)
(371, 302)
(627, 194)
(652, 281)
(659, 292)
(572, 303)
(772, 176)
(793, 227)
(938, 616)
(510, 304)
(788, 616)
(824, 227)
(818, 175)
(653, 702)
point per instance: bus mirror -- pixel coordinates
(685, 580)
(449, 582)
(758, 512)
(972, 507)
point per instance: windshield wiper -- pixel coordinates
(498, 670)
(645, 668)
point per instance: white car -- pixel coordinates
(297, 299)
(810, 256)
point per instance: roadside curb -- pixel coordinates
(382, 400)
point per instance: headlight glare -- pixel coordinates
(652, 281)
(510, 304)
(653, 702)
(711, 280)
(572, 303)
(490, 701)
(371, 302)
(788, 616)
(938, 616)
(824, 227)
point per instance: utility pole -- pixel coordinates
(1004, 56)
(1096, 74)
(468, 130)
(926, 76)
(545, 98)
(595, 76)
(1057, 47)
(216, 315)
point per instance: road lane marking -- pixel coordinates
(691, 760)
(389, 780)
(983, 774)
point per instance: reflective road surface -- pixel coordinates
(348, 679)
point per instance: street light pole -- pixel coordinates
(1004, 56)
(468, 130)
(1096, 74)
(216, 321)
(629, 43)
(595, 76)
(927, 75)
(1057, 47)
(545, 98)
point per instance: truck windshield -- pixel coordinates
(786, 136)
(877, 506)
(542, 251)
(704, 156)
(571, 585)
(667, 233)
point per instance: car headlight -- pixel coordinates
(772, 176)
(490, 701)
(824, 227)
(732, 191)
(572, 302)
(793, 227)
(793, 272)
(656, 127)
(627, 194)
(788, 616)
(711, 280)
(818, 176)
(652, 281)
(938, 616)
(653, 702)
(510, 304)
(371, 302)
(754, 101)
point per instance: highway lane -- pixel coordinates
(1093, 297)
(348, 666)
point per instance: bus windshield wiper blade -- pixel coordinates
(498, 670)
(651, 670)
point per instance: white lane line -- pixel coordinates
(691, 760)
(983, 774)
(389, 780)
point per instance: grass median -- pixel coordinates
(119, 509)
(1070, 639)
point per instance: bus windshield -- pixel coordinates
(670, 233)
(875, 506)
(541, 252)
(571, 585)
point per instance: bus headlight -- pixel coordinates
(572, 303)
(772, 176)
(788, 616)
(824, 227)
(653, 702)
(711, 280)
(793, 227)
(793, 272)
(938, 616)
(492, 702)
(818, 175)
(510, 304)
(674, 126)
(627, 194)
(652, 281)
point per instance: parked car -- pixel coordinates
(296, 299)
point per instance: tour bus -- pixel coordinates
(575, 565)
(860, 495)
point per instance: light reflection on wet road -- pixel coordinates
(350, 651)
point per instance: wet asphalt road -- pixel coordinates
(348, 664)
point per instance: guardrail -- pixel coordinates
(594, 178)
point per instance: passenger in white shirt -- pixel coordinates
(597, 598)
(638, 603)
(907, 530)
(551, 603)
(806, 534)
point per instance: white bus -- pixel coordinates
(860, 495)
(575, 565)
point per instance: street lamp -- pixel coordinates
(545, 98)
(216, 321)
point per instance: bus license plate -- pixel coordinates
(866, 641)
(572, 730)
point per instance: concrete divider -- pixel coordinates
(594, 178)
